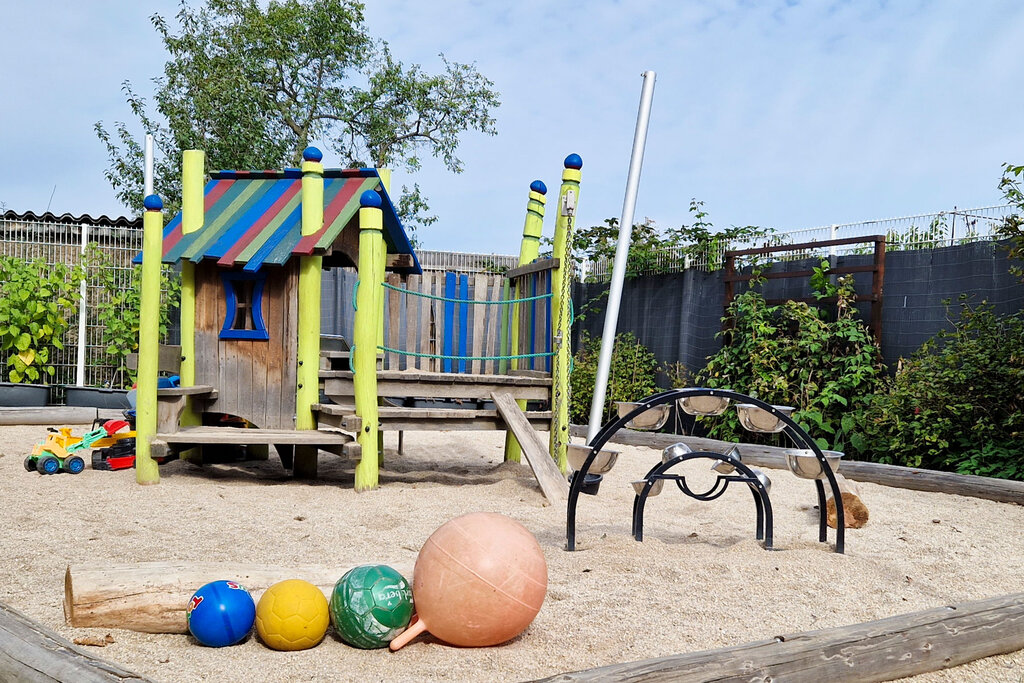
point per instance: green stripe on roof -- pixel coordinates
(248, 194)
(346, 214)
(271, 227)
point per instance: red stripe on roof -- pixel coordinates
(215, 193)
(257, 227)
(331, 211)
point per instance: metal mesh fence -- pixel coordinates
(922, 231)
(61, 243)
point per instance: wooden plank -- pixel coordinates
(535, 267)
(31, 652)
(194, 390)
(412, 318)
(290, 321)
(234, 435)
(464, 310)
(398, 261)
(438, 320)
(341, 391)
(535, 379)
(479, 318)
(988, 488)
(881, 650)
(168, 360)
(448, 347)
(393, 338)
(552, 481)
(492, 332)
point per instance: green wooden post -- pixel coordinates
(307, 390)
(382, 261)
(146, 469)
(561, 279)
(367, 324)
(529, 248)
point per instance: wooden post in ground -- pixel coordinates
(561, 279)
(529, 249)
(146, 469)
(307, 391)
(193, 215)
(364, 337)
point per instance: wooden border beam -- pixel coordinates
(882, 650)
(31, 652)
(988, 488)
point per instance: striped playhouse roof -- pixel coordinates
(254, 218)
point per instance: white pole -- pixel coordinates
(82, 293)
(149, 166)
(611, 318)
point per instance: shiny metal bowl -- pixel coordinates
(652, 418)
(656, 487)
(724, 466)
(603, 461)
(755, 419)
(803, 463)
(674, 451)
(763, 478)
(703, 405)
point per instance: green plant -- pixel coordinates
(631, 377)
(117, 310)
(957, 404)
(35, 302)
(797, 355)
(1012, 228)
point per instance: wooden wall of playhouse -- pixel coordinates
(255, 379)
(433, 326)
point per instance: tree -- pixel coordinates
(254, 85)
(1012, 227)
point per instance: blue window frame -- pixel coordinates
(243, 317)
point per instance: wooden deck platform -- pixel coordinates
(248, 437)
(394, 419)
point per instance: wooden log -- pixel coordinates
(31, 652)
(855, 511)
(552, 481)
(151, 596)
(882, 650)
(988, 488)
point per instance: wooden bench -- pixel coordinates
(170, 403)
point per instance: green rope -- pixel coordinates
(464, 301)
(442, 357)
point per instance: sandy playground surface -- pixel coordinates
(698, 581)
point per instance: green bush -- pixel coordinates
(36, 300)
(631, 377)
(797, 355)
(118, 309)
(957, 403)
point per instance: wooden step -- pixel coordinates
(422, 419)
(405, 384)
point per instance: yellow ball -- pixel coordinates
(292, 615)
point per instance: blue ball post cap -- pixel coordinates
(221, 613)
(539, 186)
(370, 199)
(312, 154)
(153, 202)
(574, 161)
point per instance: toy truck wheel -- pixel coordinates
(74, 464)
(47, 464)
(30, 464)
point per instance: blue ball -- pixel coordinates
(312, 154)
(539, 186)
(221, 613)
(369, 198)
(574, 161)
(153, 202)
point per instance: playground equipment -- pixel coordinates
(480, 579)
(62, 452)
(807, 461)
(252, 245)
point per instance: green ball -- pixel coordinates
(370, 605)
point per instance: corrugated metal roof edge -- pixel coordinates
(102, 221)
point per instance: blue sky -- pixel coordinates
(778, 113)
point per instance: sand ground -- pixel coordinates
(698, 581)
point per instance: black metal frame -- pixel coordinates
(762, 502)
